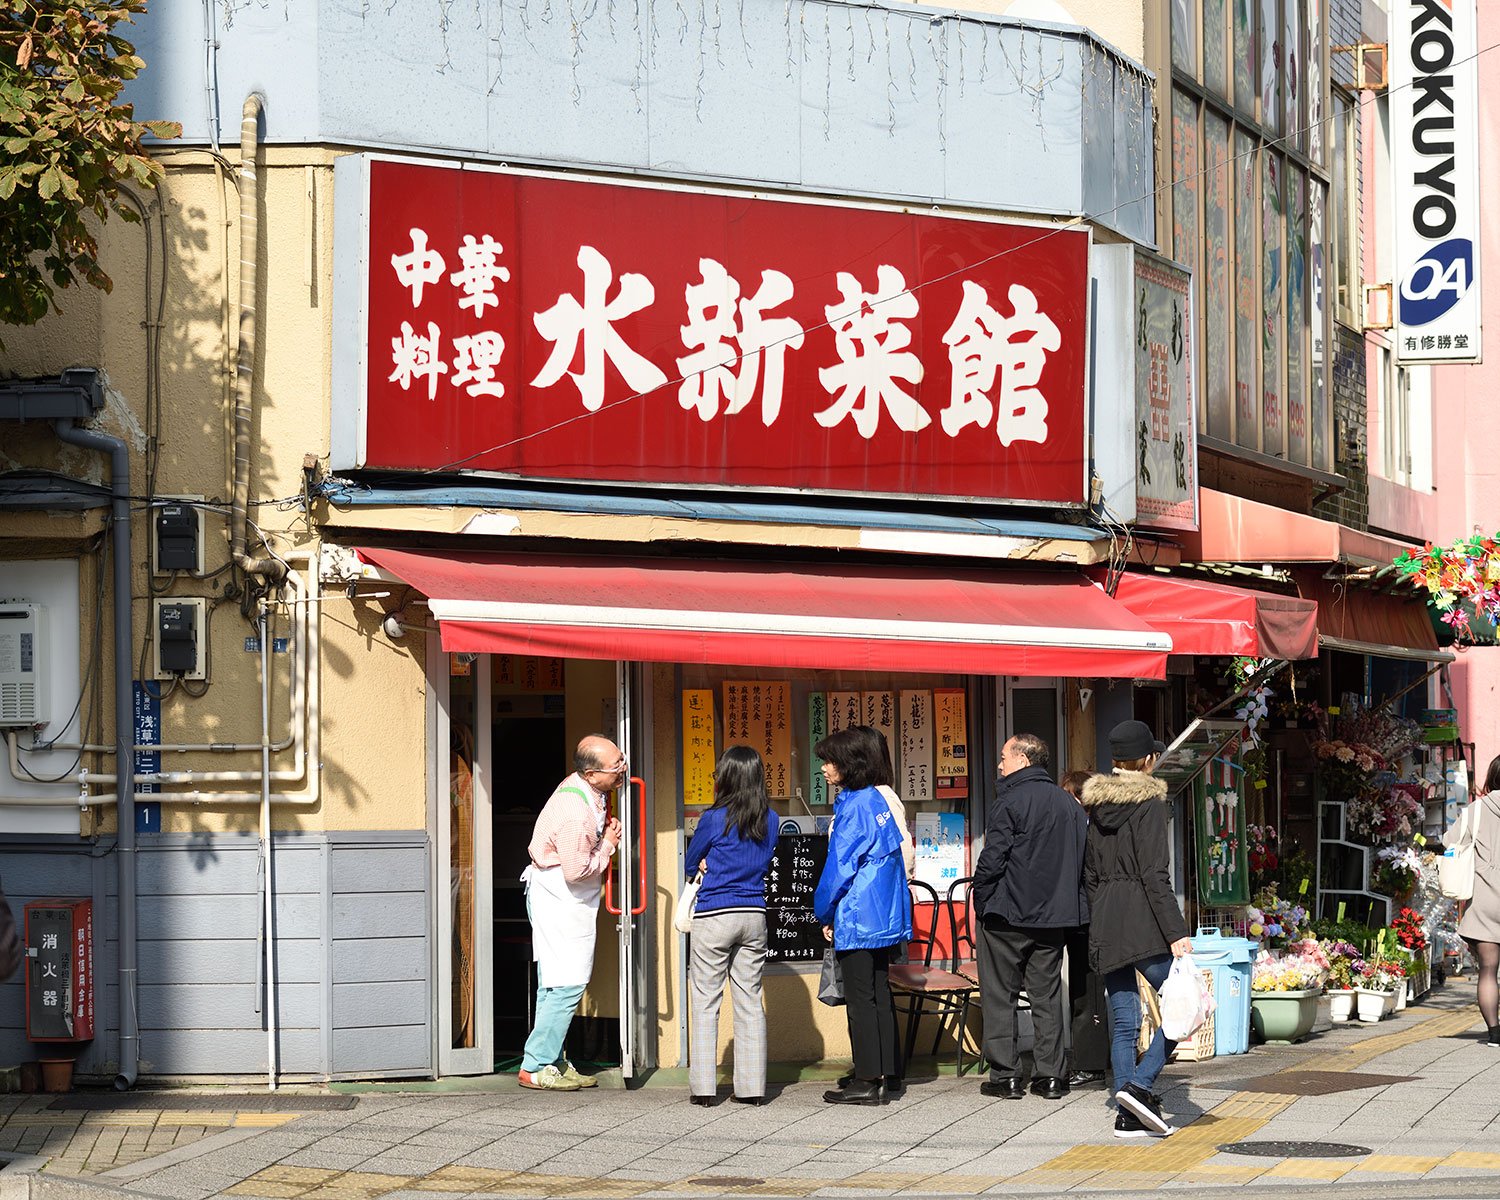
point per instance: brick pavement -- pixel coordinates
(1440, 1128)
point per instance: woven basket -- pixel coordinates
(1201, 1044)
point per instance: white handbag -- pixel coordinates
(682, 915)
(1456, 864)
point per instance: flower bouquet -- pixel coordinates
(1274, 920)
(1397, 869)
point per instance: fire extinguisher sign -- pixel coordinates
(59, 971)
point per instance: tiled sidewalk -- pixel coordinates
(942, 1139)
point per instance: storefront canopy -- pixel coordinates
(1362, 621)
(1215, 618)
(744, 614)
(1235, 530)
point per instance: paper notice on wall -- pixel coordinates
(528, 672)
(817, 730)
(939, 841)
(880, 711)
(758, 715)
(915, 779)
(844, 710)
(698, 757)
(951, 741)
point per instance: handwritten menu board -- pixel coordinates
(758, 715)
(529, 673)
(915, 778)
(951, 728)
(880, 711)
(698, 757)
(817, 730)
(792, 930)
(844, 710)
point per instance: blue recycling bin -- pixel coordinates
(1232, 961)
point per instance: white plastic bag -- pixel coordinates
(1185, 1001)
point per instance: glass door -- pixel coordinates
(460, 811)
(1033, 706)
(628, 895)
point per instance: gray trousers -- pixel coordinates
(732, 946)
(1009, 958)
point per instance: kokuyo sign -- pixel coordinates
(555, 327)
(1435, 190)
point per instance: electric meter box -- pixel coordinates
(23, 640)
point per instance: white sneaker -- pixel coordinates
(548, 1079)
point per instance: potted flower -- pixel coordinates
(1375, 990)
(1397, 869)
(1411, 933)
(1344, 966)
(1284, 993)
(1401, 960)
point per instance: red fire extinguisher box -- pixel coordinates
(60, 970)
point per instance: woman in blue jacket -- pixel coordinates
(733, 846)
(865, 909)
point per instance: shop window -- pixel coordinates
(1344, 212)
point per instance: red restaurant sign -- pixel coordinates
(560, 328)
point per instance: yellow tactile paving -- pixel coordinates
(776, 1187)
(1472, 1159)
(1410, 1164)
(262, 1120)
(962, 1185)
(885, 1180)
(216, 1119)
(1311, 1168)
(1219, 1173)
(277, 1191)
(310, 1176)
(604, 1189)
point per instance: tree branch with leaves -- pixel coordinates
(67, 146)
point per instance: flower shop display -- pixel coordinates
(1276, 921)
(1411, 936)
(1284, 992)
(1380, 814)
(1466, 570)
(1345, 968)
(1397, 869)
(1264, 847)
(1223, 869)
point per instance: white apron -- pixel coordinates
(564, 920)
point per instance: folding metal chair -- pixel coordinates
(920, 989)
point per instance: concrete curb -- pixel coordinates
(21, 1178)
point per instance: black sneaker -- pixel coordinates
(1493, 1040)
(1126, 1125)
(1145, 1108)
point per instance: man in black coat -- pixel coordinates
(1028, 892)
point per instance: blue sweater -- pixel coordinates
(736, 875)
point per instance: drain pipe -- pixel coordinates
(244, 369)
(267, 834)
(119, 462)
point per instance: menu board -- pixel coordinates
(952, 738)
(758, 715)
(844, 710)
(792, 931)
(817, 730)
(698, 757)
(880, 712)
(914, 779)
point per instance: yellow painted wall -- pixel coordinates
(374, 694)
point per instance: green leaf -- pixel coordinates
(74, 92)
(48, 184)
(164, 129)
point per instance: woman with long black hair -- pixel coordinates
(732, 847)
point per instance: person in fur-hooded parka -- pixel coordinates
(1126, 870)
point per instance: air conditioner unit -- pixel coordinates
(23, 693)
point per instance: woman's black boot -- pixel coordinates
(1493, 1041)
(860, 1091)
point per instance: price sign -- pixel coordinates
(792, 929)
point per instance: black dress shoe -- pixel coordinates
(748, 1099)
(844, 1081)
(1004, 1089)
(859, 1091)
(1049, 1087)
(894, 1086)
(1086, 1079)
(703, 1101)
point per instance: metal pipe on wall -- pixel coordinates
(119, 460)
(266, 844)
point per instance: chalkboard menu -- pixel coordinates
(792, 930)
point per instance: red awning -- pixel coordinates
(1366, 622)
(843, 618)
(1216, 618)
(1233, 529)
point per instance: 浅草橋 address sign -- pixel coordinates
(553, 326)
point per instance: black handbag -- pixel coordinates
(831, 981)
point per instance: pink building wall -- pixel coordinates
(1466, 409)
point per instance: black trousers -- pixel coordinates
(1010, 957)
(1087, 1007)
(871, 1013)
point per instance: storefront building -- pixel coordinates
(688, 432)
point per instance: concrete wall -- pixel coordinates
(910, 101)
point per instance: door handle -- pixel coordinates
(642, 809)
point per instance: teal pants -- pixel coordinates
(554, 1013)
